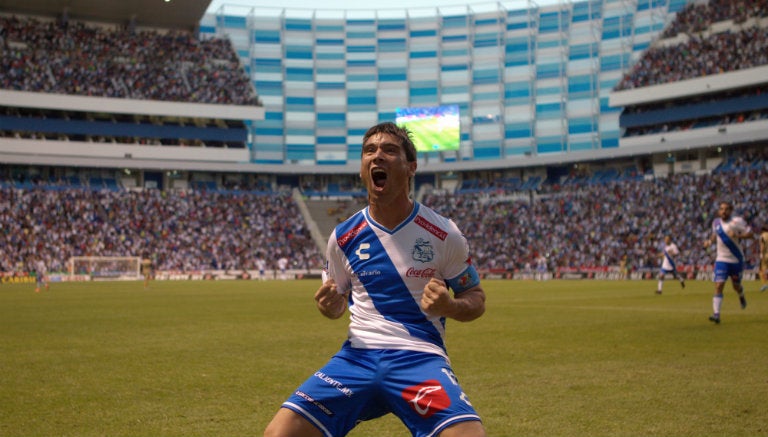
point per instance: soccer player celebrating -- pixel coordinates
(401, 270)
(727, 230)
(668, 263)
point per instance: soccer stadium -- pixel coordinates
(223, 145)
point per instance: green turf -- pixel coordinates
(558, 358)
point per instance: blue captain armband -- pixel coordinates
(464, 281)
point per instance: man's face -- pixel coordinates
(384, 168)
(724, 211)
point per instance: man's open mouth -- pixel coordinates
(379, 177)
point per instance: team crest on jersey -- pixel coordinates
(423, 251)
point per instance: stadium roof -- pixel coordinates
(175, 14)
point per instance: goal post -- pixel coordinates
(106, 267)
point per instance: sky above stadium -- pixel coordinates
(232, 6)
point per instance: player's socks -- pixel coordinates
(682, 283)
(658, 287)
(742, 300)
(717, 302)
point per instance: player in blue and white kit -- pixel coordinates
(402, 270)
(727, 230)
(668, 263)
(41, 275)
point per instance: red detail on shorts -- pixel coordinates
(427, 398)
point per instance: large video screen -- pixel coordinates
(433, 128)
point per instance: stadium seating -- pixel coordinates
(592, 220)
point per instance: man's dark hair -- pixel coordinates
(401, 133)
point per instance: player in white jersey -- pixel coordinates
(402, 270)
(727, 230)
(668, 263)
(261, 266)
(282, 264)
(41, 275)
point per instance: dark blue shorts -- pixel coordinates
(724, 270)
(363, 384)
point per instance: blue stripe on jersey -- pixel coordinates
(375, 270)
(728, 242)
(671, 261)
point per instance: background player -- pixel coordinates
(261, 266)
(282, 265)
(668, 263)
(146, 270)
(764, 257)
(727, 230)
(41, 275)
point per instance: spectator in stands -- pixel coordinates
(79, 59)
(582, 224)
(701, 54)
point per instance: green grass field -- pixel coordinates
(558, 358)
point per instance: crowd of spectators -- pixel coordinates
(718, 53)
(190, 230)
(595, 225)
(74, 58)
(704, 53)
(586, 225)
(697, 17)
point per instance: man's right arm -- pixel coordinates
(329, 301)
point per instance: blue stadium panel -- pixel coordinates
(325, 80)
(330, 92)
(550, 144)
(586, 11)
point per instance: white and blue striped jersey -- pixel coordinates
(728, 249)
(668, 261)
(386, 271)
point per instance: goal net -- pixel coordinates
(106, 267)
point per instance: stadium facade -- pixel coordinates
(536, 88)
(533, 83)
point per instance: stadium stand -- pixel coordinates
(231, 205)
(193, 230)
(589, 223)
(592, 222)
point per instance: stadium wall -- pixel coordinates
(532, 84)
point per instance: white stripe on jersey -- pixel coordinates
(386, 271)
(670, 251)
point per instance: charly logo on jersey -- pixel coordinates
(361, 251)
(427, 398)
(423, 251)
